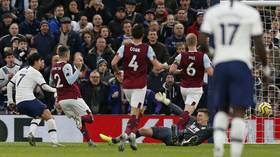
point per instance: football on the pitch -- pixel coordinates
(265, 109)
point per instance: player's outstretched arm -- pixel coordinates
(159, 66)
(115, 62)
(10, 92)
(68, 73)
(173, 68)
(208, 65)
(48, 88)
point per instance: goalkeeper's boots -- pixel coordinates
(106, 138)
(31, 140)
(132, 141)
(191, 142)
(91, 143)
(161, 97)
(123, 139)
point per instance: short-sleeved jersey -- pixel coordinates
(25, 82)
(64, 89)
(192, 65)
(135, 64)
(232, 27)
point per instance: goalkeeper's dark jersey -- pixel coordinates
(203, 132)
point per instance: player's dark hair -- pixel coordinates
(33, 58)
(62, 51)
(204, 110)
(137, 31)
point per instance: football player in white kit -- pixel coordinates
(233, 24)
(24, 82)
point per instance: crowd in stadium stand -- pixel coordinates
(96, 29)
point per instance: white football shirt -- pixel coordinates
(232, 27)
(25, 81)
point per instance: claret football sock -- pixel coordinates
(85, 133)
(184, 117)
(87, 118)
(137, 134)
(131, 125)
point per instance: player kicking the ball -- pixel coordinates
(25, 81)
(135, 56)
(68, 92)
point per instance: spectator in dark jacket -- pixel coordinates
(44, 42)
(156, 79)
(7, 20)
(30, 26)
(54, 23)
(34, 5)
(152, 106)
(6, 7)
(195, 27)
(105, 75)
(126, 37)
(73, 11)
(178, 36)
(167, 27)
(95, 94)
(106, 34)
(68, 37)
(131, 13)
(172, 91)
(116, 96)
(97, 7)
(159, 48)
(197, 6)
(161, 13)
(5, 41)
(87, 38)
(101, 50)
(115, 25)
(182, 16)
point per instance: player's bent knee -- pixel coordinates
(189, 108)
(46, 114)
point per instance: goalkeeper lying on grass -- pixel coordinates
(195, 133)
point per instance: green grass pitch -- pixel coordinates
(144, 150)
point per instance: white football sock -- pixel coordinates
(238, 127)
(52, 130)
(220, 128)
(34, 125)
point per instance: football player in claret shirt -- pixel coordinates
(135, 55)
(192, 64)
(64, 77)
